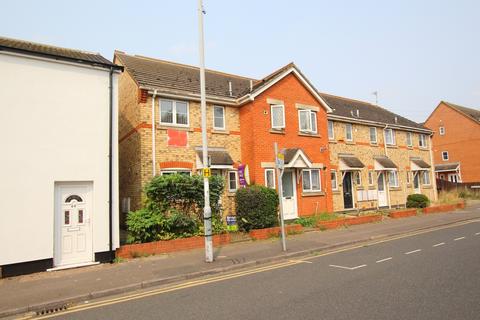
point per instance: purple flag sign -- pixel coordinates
(241, 175)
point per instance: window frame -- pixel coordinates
(224, 118)
(426, 173)
(348, 125)
(422, 141)
(371, 179)
(409, 139)
(358, 178)
(445, 153)
(393, 142)
(175, 171)
(310, 180)
(441, 130)
(272, 106)
(370, 135)
(236, 181)
(310, 114)
(408, 179)
(332, 124)
(334, 172)
(273, 176)
(174, 113)
(393, 173)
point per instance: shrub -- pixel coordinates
(256, 208)
(144, 225)
(417, 201)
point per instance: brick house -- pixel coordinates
(241, 130)
(377, 157)
(456, 142)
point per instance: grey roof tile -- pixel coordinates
(469, 112)
(352, 162)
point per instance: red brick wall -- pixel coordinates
(257, 140)
(461, 140)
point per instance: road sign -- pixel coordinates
(207, 172)
(280, 160)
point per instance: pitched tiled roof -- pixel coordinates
(159, 74)
(469, 112)
(345, 107)
(52, 52)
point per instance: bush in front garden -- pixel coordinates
(256, 208)
(417, 201)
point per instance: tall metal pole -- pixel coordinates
(207, 211)
(279, 173)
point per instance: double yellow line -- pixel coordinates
(134, 296)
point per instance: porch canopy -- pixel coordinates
(383, 163)
(348, 162)
(218, 159)
(447, 167)
(417, 164)
(296, 158)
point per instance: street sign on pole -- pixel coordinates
(279, 164)
(207, 211)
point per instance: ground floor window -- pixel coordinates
(425, 177)
(311, 180)
(407, 176)
(370, 178)
(126, 205)
(270, 178)
(175, 171)
(333, 177)
(232, 181)
(358, 178)
(393, 179)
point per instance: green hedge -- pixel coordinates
(257, 208)
(417, 201)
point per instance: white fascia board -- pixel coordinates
(295, 158)
(190, 96)
(378, 124)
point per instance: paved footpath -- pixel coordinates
(53, 289)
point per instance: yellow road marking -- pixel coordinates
(134, 296)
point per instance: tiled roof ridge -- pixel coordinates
(184, 65)
(454, 105)
(50, 46)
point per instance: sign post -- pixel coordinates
(279, 165)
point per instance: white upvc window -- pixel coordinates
(270, 178)
(278, 116)
(358, 178)
(331, 132)
(370, 178)
(348, 132)
(409, 139)
(422, 141)
(311, 180)
(441, 130)
(373, 135)
(219, 117)
(174, 112)
(126, 205)
(333, 178)
(232, 181)
(445, 155)
(393, 179)
(307, 121)
(390, 137)
(175, 171)
(426, 178)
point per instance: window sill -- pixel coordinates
(410, 147)
(423, 148)
(360, 188)
(336, 191)
(332, 141)
(350, 142)
(313, 194)
(392, 146)
(231, 193)
(429, 186)
(394, 188)
(277, 131)
(373, 144)
(166, 127)
(220, 131)
(306, 134)
(371, 188)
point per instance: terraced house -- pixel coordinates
(377, 157)
(245, 117)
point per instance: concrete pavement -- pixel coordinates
(49, 290)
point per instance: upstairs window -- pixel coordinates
(373, 135)
(331, 133)
(409, 139)
(445, 155)
(441, 130)
(348, 132)
(390, 137)
(219, 117)
(174, 112)
(278, 116)
(311, 180)
(307, 121)
(422, 141)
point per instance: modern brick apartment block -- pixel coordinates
(377, 157)
(456, 142)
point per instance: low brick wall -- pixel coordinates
(403, 213)
(262, 234)
(440, 208)
(333, 224)
(461, 205)
(142, 249)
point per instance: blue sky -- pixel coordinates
(415, 53)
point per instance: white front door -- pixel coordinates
(73, 225)
(416, 182)
(381, 189)
(289, 197)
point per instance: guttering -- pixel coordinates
(110, 165)
(385, 176)
(378, 124)
(432, 170)
(154, 156)
(191, 96)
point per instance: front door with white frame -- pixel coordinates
(416, 182)
(289, 197)
(73, 225)
(453, 177)
(381, 189)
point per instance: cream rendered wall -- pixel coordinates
(54, 128)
